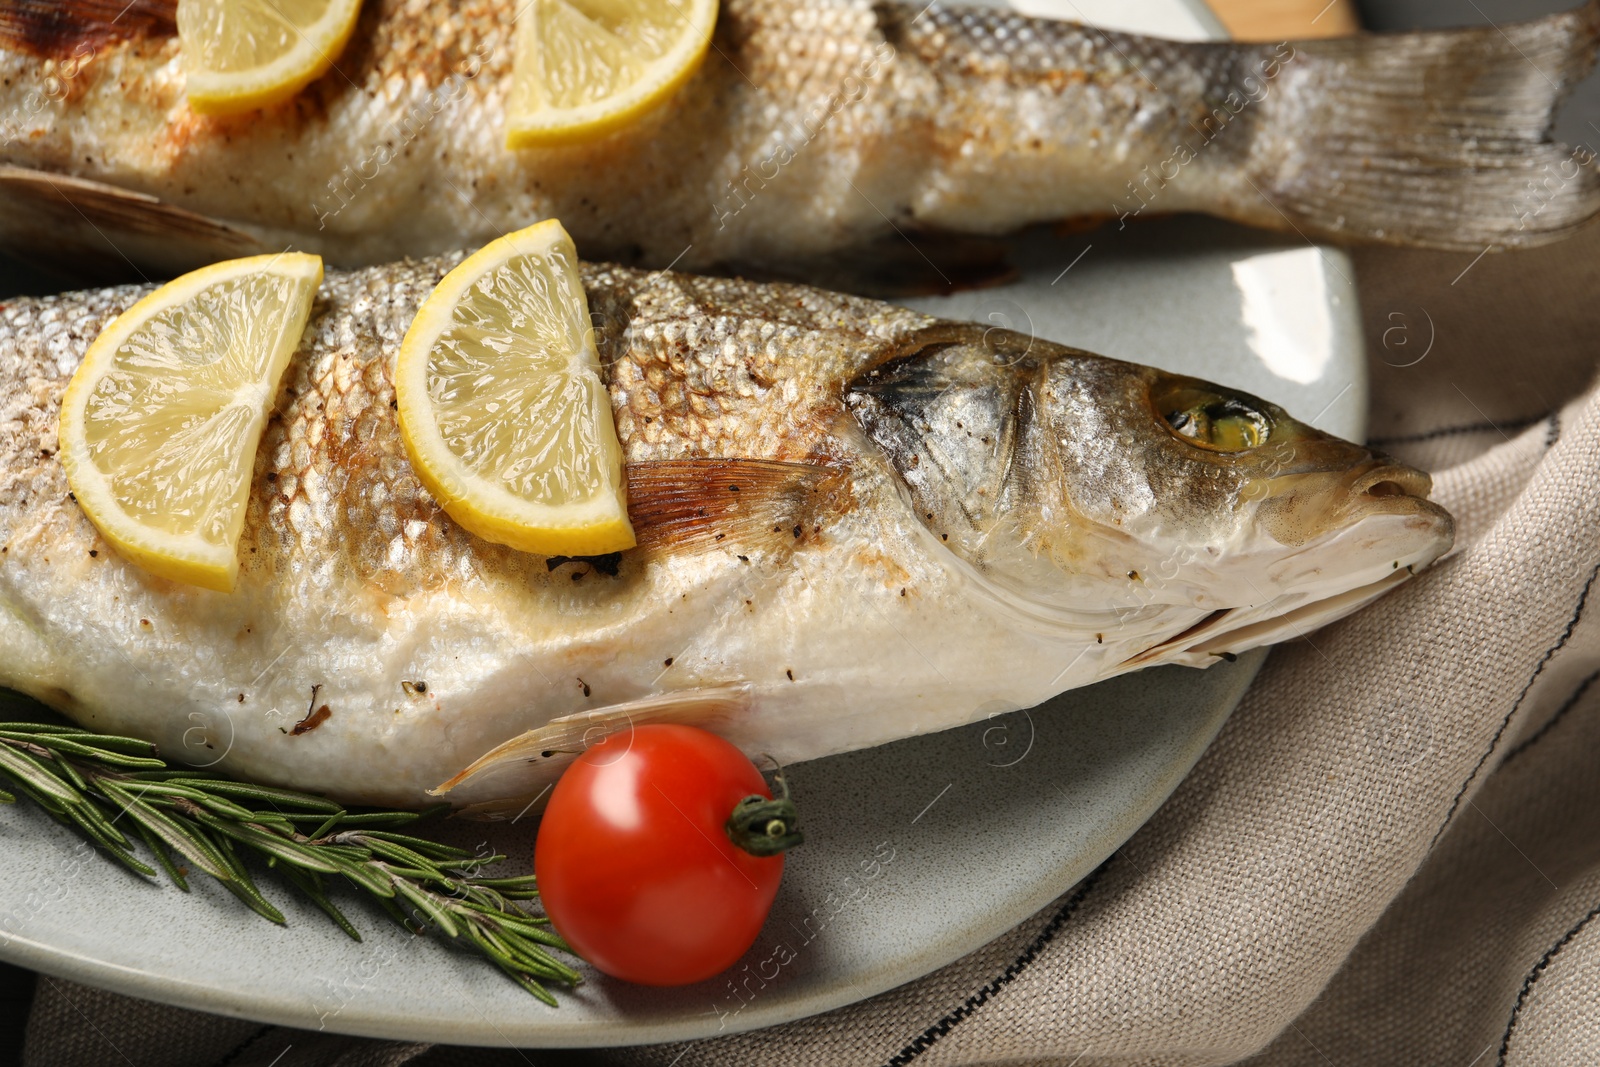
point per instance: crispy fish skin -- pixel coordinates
(857, 523)
(813, 128)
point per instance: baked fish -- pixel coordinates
(857, 523)
(814, 131)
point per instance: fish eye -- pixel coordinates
(1213, 421)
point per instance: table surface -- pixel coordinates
(1276, 20)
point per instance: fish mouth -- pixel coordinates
(1386, 486)
(1384, 479)
(1302, 506)
(1380, 491)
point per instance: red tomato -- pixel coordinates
(635, 864)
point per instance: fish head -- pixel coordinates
(1202, 520)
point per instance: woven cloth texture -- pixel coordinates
(1390, 855)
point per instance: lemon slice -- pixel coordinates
(160, 424)
(501, 405)
(582, 68)
(243, 54)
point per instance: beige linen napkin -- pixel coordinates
(1391, 855)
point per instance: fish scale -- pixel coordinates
(834, 552)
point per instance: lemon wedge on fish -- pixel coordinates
(501, 404)
(582, 68)
(160, 424)
(239, 55)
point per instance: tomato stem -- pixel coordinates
(763, 826)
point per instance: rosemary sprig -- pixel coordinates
(113, 789)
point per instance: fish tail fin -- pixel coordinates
(1438, 139)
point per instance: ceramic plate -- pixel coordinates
(916, 853)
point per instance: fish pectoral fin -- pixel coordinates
(541, 754)
(710, 503)
(91, 231)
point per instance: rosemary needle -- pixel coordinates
(114, 789)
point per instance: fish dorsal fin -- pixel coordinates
(93, 231)
(69, 29)
(533, 759)
(709, 503)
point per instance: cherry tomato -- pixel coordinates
(636, 860)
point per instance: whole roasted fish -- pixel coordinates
(857, 523)
(813, 129)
